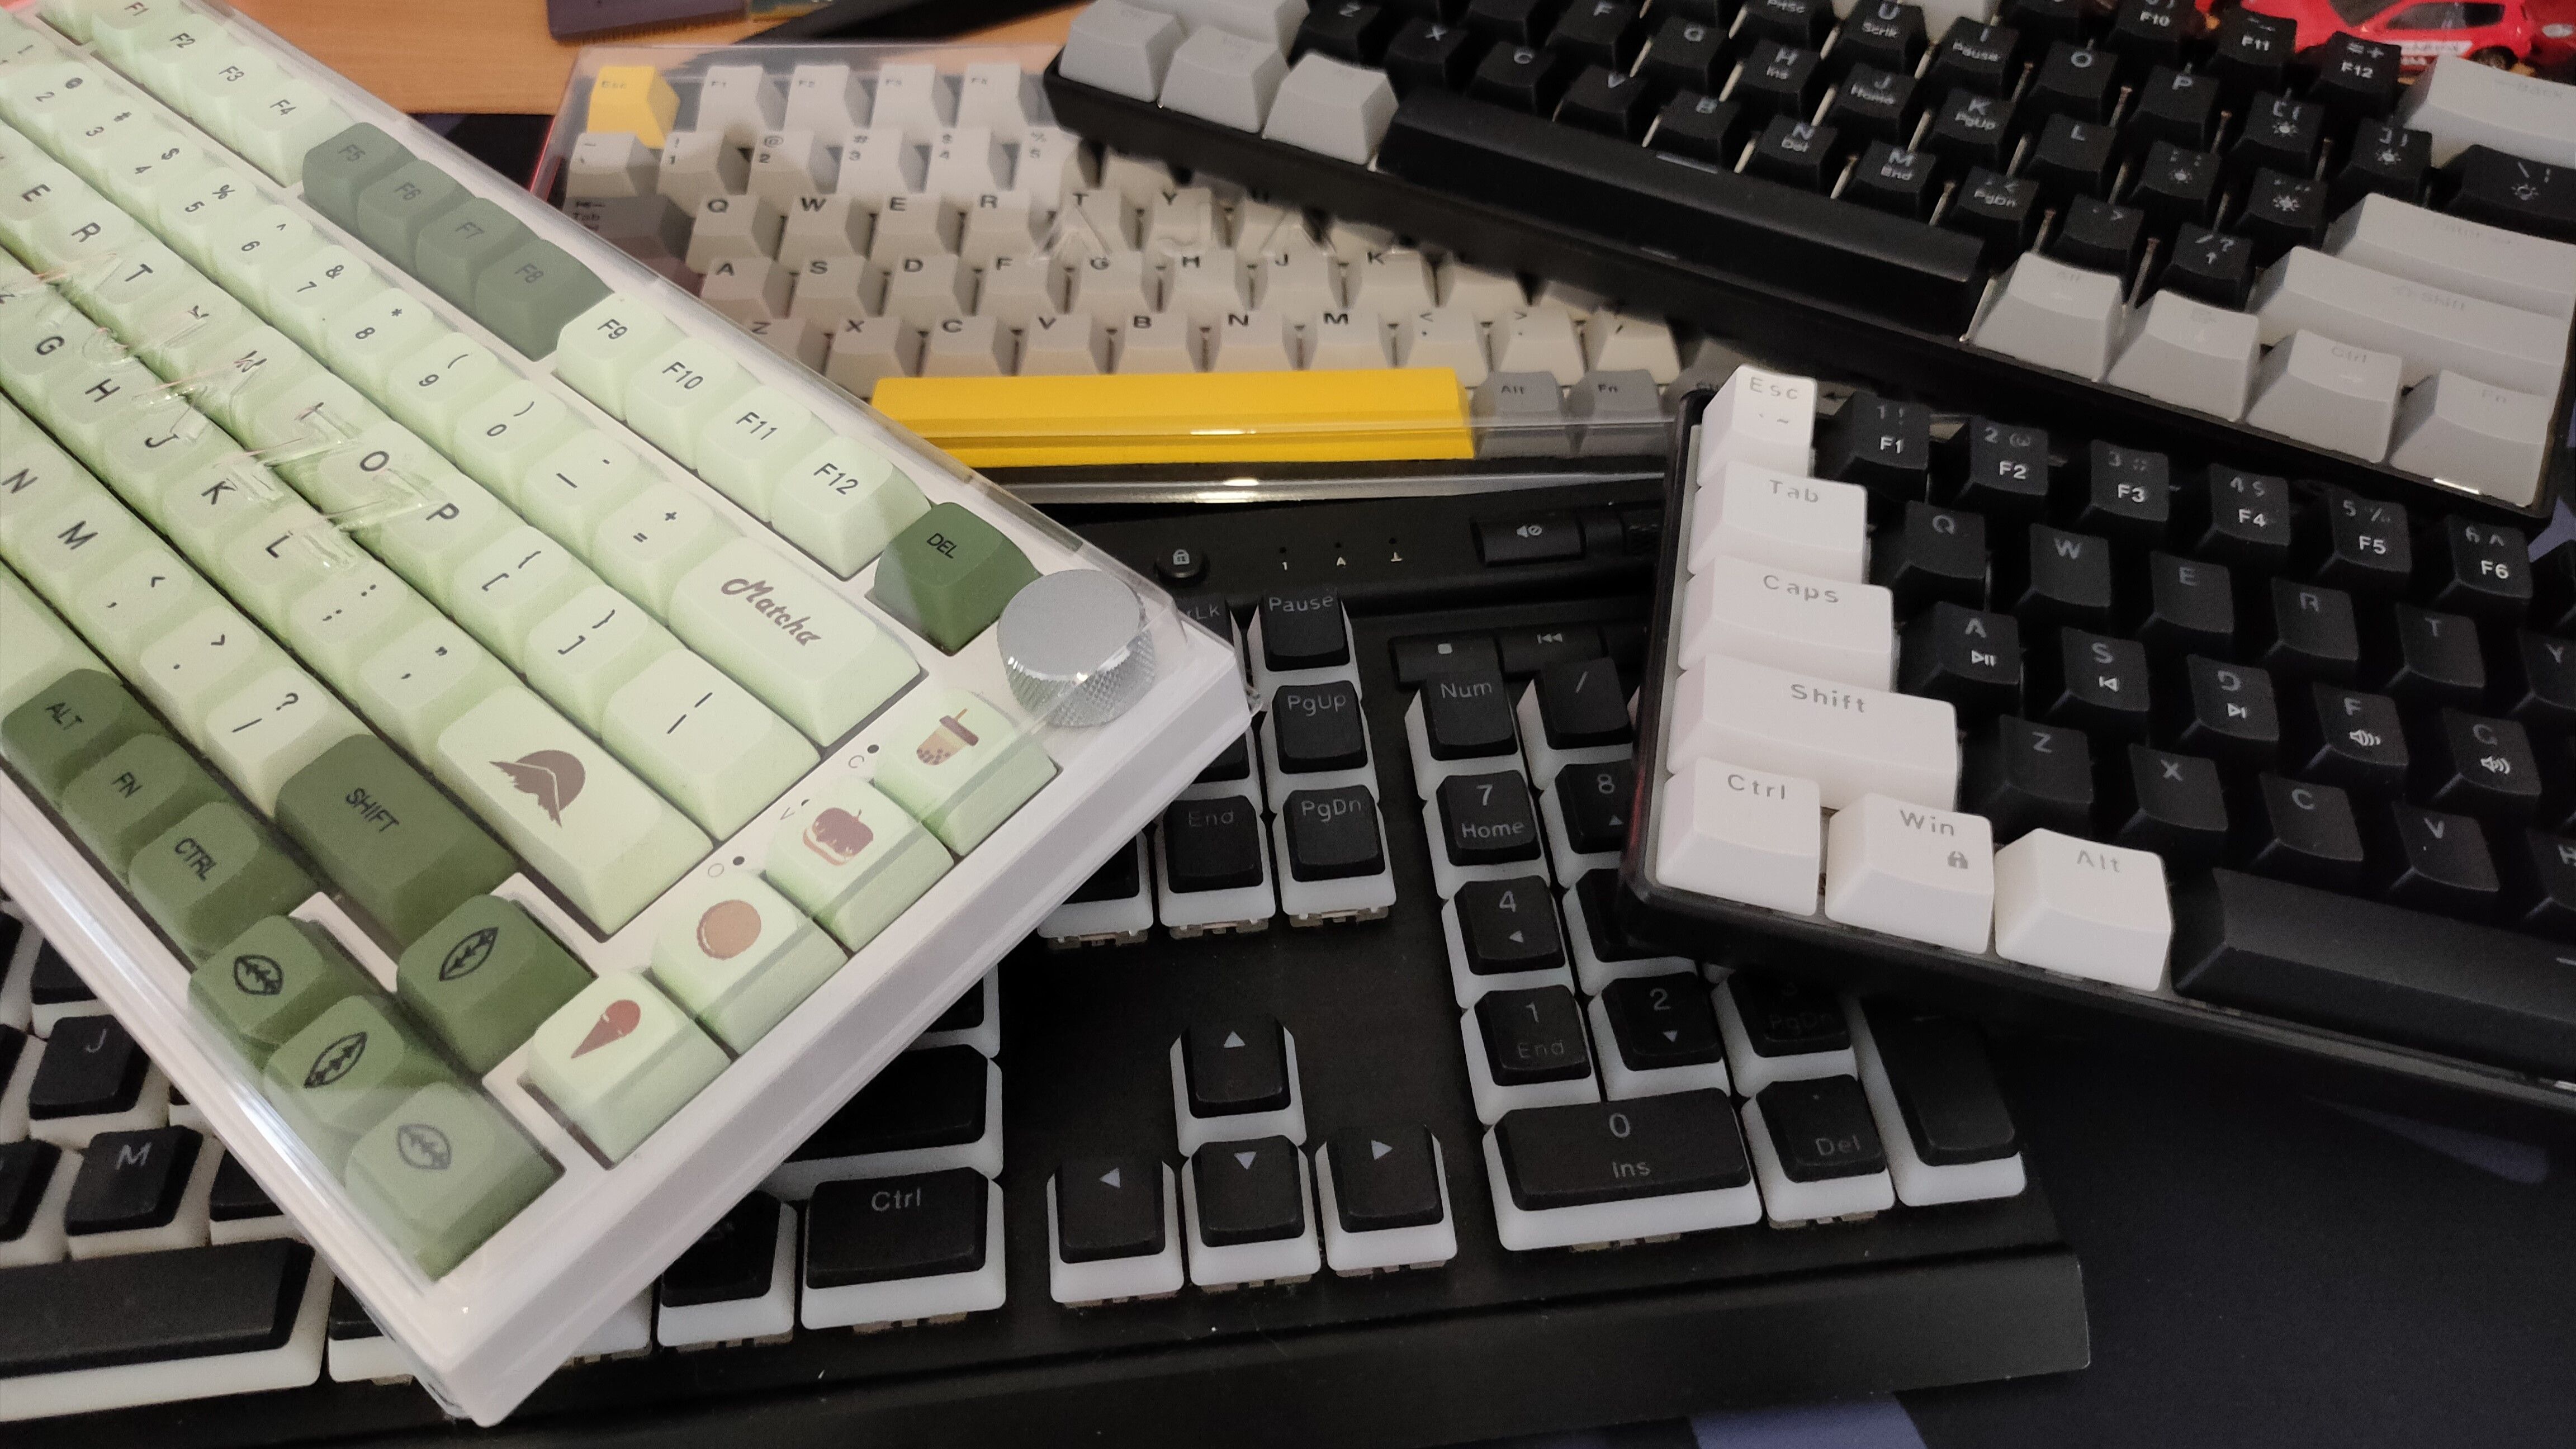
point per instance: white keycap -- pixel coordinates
(1346, 338)
(1742, 835)
(1096, 223)
(610, 163)
(2191, 354)
(966, 162)
(1771, 615)
(869, 348)
(966, 347)
(832, 290)
(1115, 286)
(793, 338)
(2333, 394)
(1487, 295)
(1157, 342)
(1184, 217)
(1539, 339)
(2463, 103)
(1265, 229)
(1940, 15)
(823, 226)
(1849, 740)
(700, 164)
(915, 99)
(999, 226)
(877, 164)
(913, 226)
(747, 289)
(2055, 315)
(741, 101)
(1808, 524)
(2084, 908)
(1443, 337)
(1054, 344)
(1299, 283)
(1204, 283)
(1927, 875)
(1332, 108)
(1392, 283)
(1764, 418)
(1222, 77)
(1618, 342)
(921, 290)
(1016, 289)
(2473, 435)
(1273, 22)
(2432, 329)
(732, 226)
(1261, 340)
(1052, 161)
(2459, 255)
(825, 99)
(994, 94)
(1136, 178)
(789, 164)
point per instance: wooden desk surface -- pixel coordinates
(489, 55)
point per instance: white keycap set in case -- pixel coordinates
(1788, 759)
(486, 1331)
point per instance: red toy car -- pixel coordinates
(2497, 32)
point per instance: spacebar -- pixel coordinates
(2399, 975)
(1760, 231)
(149, 1307)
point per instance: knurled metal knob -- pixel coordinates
(1077, 647)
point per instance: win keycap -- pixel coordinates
(387, 837)
(91, 1067)
(1822, 1129)
(1385, 1176)
(729, 1262)
(1109, 1207)
(1235, 1065)
(1509, 925)
(1591, 1152)
(131, 1180)
(876, 1230)
(1249, 1192)
(1944, 1087)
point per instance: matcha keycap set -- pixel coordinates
(513, 749)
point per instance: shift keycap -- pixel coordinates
(387, 837)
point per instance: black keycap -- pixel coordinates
(1524, 78)
(878, 1230)
(347, 1318)
(2000, 211)
(2171, 804)
(1348, 30)
(2054, 19)
(2150, 33)
(1509, 925)
(1793, 22)
(1944, 1087)
(1687, 56)
(2509, 191)
(1898, 182)
(2365, 545)
(1604, 33)
(1529, 538)
(1527, 651)
(91, 1067)
(730, 1262)
(1661, 1021)
(964, 1014)
(1795, 153)
(1249, 1192)
(11, 929)
(2177, 188)
(1515, 22)
(1432, 53)
(13, 1045)
(1420, 656)
(2355, 78)
(1233, 763)
(26, 1170)
(2225, 711)
(54, 982)
(2308, 632)
(1981, 59)
(2209, 266)
(2424, 658)
(2482, 569)
(2057, 577)
(1384, 1176)
(236, 1195)
(1593, 800)
(1883, 34)
(2280, 132)
(1880, 443)
(1872, 105)
(1995, 468)
(2539, 872)
(1108, 1207)
(1787, 1017)
(1582, 703)
(2434, 861)
(1596, 1152)
(1333, 834)
(1488, 819)
(2190, 606)
(2553, 592)
(202, 1302)
(2348, 738)
(1969, 658)
(2252, 53)
(2098, 235)
(1598, 893)
(1778, 79)
(2094, 682)
(1212, 845)
(1119, 878)
(2537, 681)
(2280, 212)
(131, 1180)
(1611, 102)
(2384, 159)
(1466, 714)
(1235, 1064)
(2239, 518)
(1821, 1129)
(1700, 126)
(1304, 629)
(2023, 777)
(2128, 495)
(2377, 969)
(2301, 832)
(2072, 157)
(2483, 766)
(2075, 81)
(930, 1098)
(1937, 554)
(2179, 108)
(1533, 1035)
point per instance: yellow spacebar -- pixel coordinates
(1195, 417)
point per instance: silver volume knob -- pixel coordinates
(1077, 647)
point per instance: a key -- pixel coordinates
(1248, 1192)
(2309, 633)
(1581, 703)
(1850, 741)
(852, 859)
(1385, 1177)
(207, 878)
(1584, 1154)
(1109, 1208)
(1819, 1151)
(731, 1262)
(1660, 1022)
(2224, 711)
(442, 1172)
(1593, 801)
(618, 1059)
(349, 1068)
(2169, 804)
(2481, 765)
(886, 1229)
(2425, 657)
(1466, 714)
(91, 1068)
(2433, 861)
(2084, 908)
(134, 793)
(1533, 1035)
(923, 1101)
(1939, 554)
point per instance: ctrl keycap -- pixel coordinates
(485, 978)
(443, 1172)
(70, 725)
(208, 878)
(387, 837)
(271, 981)
(617, 1060)
(138, 790)
(344, 1071)
(948, 574)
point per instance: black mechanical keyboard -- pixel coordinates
(1186, 1152)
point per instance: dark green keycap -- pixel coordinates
(271, 981)
(346, 1070)
(69, 726)
(347, 164)
(531, 292)
(209, 877)
(948, 575)
(394, 210)
(486, 977)
(387, 838)
(442, 1172)
(135, 792)
(456, 248)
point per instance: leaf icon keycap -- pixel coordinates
(552, 777)
(465, 956)
(335, 1060)
(258, 975)
(423, 1146)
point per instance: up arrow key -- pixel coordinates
(1233, 1039)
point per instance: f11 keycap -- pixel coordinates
(1108, 1207)
(875, 1230)
(1249, 1192)
(1385, 1176)
(932, 1098)
(1596, 1152)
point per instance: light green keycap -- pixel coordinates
(161, 50)
(581, 481)
(385, 471)
(603, 349)
(743, 448)
(683, 386)
(392, 844)
(585, 651)
(41, 648)
(437, 388)
(442, 1172)
(485, 978)
(852, 858)
(455, 249)
(268, 568)
(351, 616)
(74, 18)
(45, 334)
(427, 545)
(518, 579)
(140, 168)
(618, 1060)
(144, 463)
(269, 982)
(385, 332)
(81, 535)
(35, 98)
(583, 821)
(425, 681)
(117, 26)
(81, 234)
(532, 293)
(501, 440)
(246, 253)
(205, 510)
(207, 878)
(137, 601)
(266, 732)
(218, 91)
(142, 279)
(811, 654)
(737, 957)
(136, 791)
(340, 169)
(287, 121)
(302, 410)
(191, 213)
(259, 356)
(70, 725)
(85, 404)
(646, 546)
(393, 212)
(36, 478)
(193, 330)
(843, 502)
(329, 282)
(718, 753)
(959, 765)
(209, 656)
(346, 1070)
